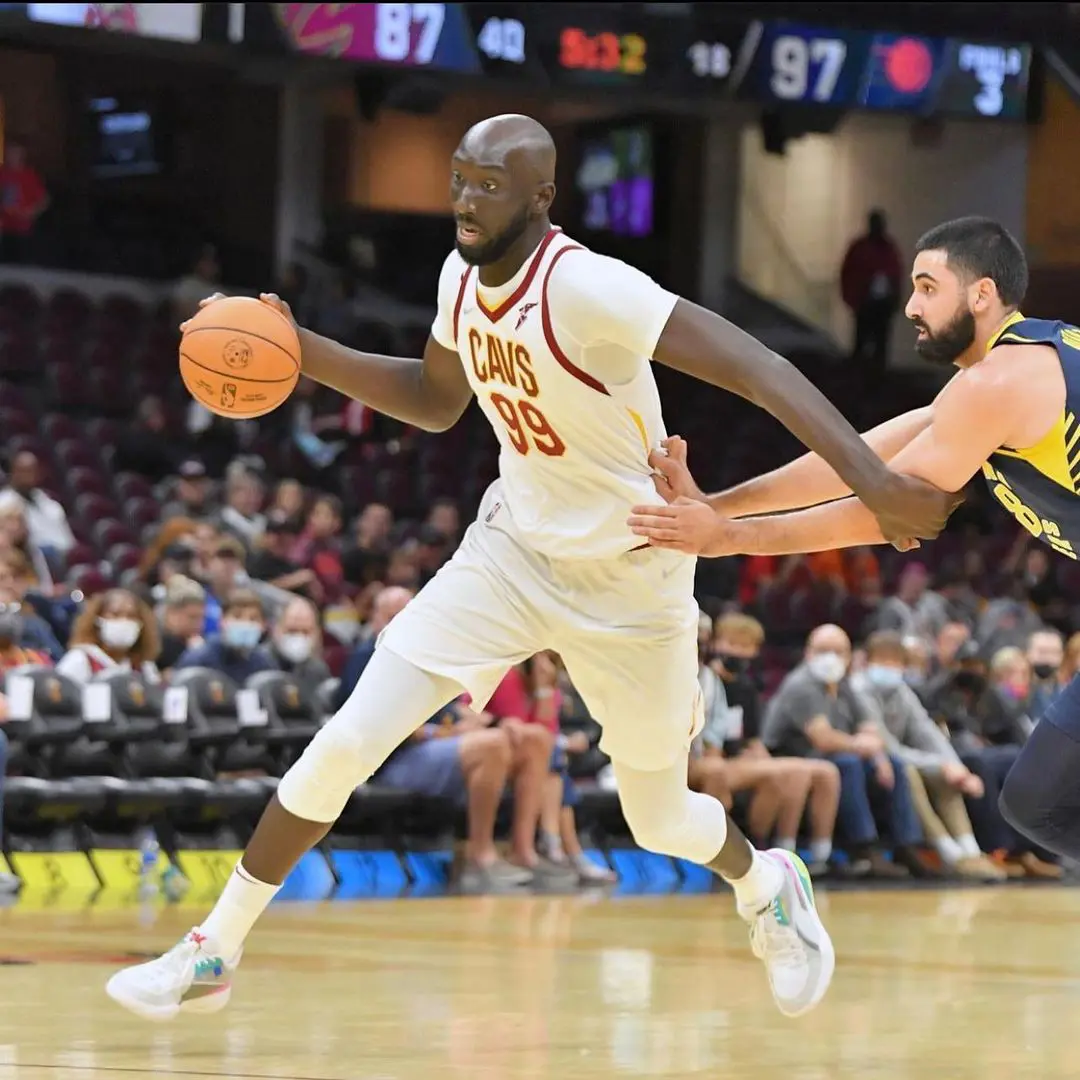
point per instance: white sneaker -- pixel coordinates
(191, 978)
(789, 936)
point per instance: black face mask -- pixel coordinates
(734, 665)
(969, 680)
(1044, 671)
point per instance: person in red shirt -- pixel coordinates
(870, 280)
(530, 694)
(22, 199)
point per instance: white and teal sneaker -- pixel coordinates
(790, 938)
(190, 978)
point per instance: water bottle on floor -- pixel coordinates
(148, 860)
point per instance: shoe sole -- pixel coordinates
(198, 1006)
(801, 876)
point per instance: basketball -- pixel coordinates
(239, 357)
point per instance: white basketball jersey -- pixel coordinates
(576, 411)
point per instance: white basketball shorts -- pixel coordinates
(626, 630)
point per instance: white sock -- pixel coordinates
(820, 850)
(785, 842)
(241, 903)
(969, 846)
(949, 850)
(760, 885)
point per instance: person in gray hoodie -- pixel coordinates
(938, 779)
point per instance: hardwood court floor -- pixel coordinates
(972, 983)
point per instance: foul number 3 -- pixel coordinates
(527, 426)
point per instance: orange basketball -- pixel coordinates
(239, 357)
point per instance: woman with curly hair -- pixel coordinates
(114, 630)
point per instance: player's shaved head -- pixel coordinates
(511, 141)
(501, 187)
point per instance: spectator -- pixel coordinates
(23, 199)
(270, 561)
(949, 639)
(1010, 677)
(36, 636)
(939, 780)
(224, 572)
(815, 713)
(12, 653)
(458, 754)
(143, 447)
(432, 550)
(296, 645)
(1008, 620)
(46, 521)
(199, 283)
(235, 651)
(729, 756)
(365, 561)
(183, 615)
(870, 282)
(193, 495)
(388, 603)
(919, 661)
(1070, 666)
(529, 694)
(915, 609)
(444, 517)
(114, 630)
(15, 541)
(987, 737)
(243, 499)
(317, 546)
(288, 500)
(1045, 654)
(173, 534)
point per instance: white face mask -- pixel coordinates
(827, 667)
(296, 648)
(119, 633)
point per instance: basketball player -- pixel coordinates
(553, 340)
(1012, 412)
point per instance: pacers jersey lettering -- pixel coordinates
(573, 449)
(1040, 485)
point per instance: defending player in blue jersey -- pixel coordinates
(1011, 412)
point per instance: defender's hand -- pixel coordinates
(909, 510)
(671, 475)
(684, 525)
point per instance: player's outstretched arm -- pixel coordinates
(970, 420)
(702, 344)
(810, 480)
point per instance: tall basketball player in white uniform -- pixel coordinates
(554, 341)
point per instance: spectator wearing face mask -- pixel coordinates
(938, 779)
(816, 713)
(296, 644)
(987, 737)
(183, 613)
(114, 630)
(1046, 655)
(235, 651)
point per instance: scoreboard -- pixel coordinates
(693, 51)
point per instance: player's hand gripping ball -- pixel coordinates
(240, 357)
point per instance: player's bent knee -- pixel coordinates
(332, 766)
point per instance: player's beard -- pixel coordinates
(496, 247)
(944, 346)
